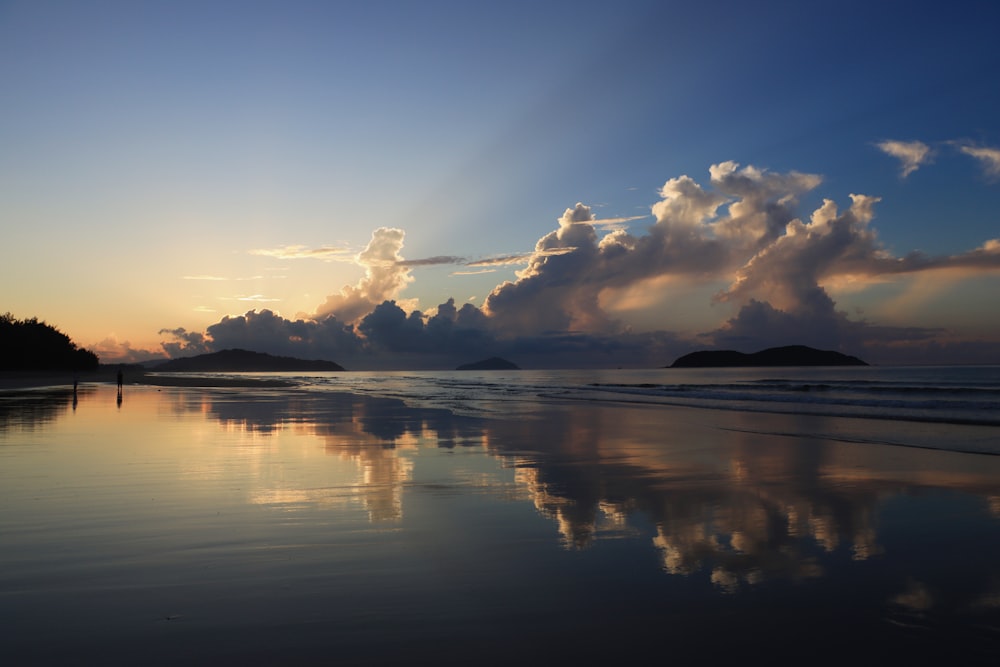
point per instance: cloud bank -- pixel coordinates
(743, 233)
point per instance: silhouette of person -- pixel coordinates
(121, 380)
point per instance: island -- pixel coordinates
(491, 364)
(789, 355)
(243, 361)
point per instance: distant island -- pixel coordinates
(491, 364)
(243, 361)
(790, 355)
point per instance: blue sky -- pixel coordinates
(172, 171)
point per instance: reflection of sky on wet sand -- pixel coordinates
(353, 492)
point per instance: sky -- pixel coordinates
(404, 185)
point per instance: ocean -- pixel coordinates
(530, 517)
(926, 403)
(948, 394)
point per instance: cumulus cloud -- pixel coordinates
(327, 338)
(112, 350)
(185, 343)
(787, 271)
(700, 234)
(911, 154)
(741, 237)
(386, 275)
(612, 224)
(555, 291)
(762, 205)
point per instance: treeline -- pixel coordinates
(30, 345)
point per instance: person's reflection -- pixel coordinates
(121, 381)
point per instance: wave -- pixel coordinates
(977, 404)
(957, 395)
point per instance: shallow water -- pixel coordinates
(299, 526)
(949, 395)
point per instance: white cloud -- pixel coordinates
(988, 157)
(612, 224)
(386, 274)
(744, 231)
(304, 252)
(212, 278)
(911, 154)
(788, 271)
(113, 350)
(472, 273)
(259, 298)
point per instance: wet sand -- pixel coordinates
(14, 381)
(255, 526)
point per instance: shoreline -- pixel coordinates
(970, 433)
(13, 381)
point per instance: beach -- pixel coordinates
(339, 519)
(18, 380)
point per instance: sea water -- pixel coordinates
(491, 518)
(955, 394)
(925, 406)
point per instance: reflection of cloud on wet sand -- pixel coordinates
(735, 558)
(376, 437)
(994, 505)
(382, 473)
(968, 613)
(578, 527)
(916, 598)
(737, 507)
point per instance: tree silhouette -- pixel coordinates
(31, 345)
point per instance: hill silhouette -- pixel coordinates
(491, 364)
(33, 345)
(790, 355)
(237, 361)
